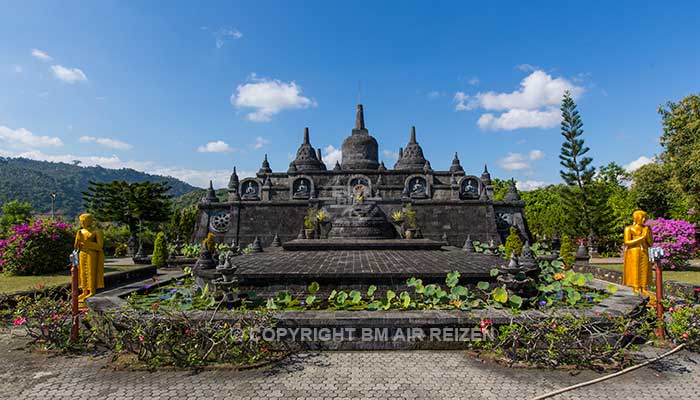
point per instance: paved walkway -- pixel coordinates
(370, 375)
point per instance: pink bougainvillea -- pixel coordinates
(676, 238)
(36, 248)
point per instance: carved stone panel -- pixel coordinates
(220, 221)
(302, 188)
(469, 188)
(250, 189)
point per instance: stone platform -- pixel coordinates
(362, 244)
(274, 271)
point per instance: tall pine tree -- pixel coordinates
(577, 173)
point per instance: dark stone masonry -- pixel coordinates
(449, 203)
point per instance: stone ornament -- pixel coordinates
(220, 221)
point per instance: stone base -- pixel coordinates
(362, 244)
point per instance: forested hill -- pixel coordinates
(29, 180)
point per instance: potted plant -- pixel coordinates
(411, 230)
(323, 222)
(309, 227)
(398, 219)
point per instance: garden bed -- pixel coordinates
(392, 329)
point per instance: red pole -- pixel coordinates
(659, 306)
(74, 304)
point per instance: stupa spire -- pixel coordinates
(360, 118)
(306, 136)
(413, 135)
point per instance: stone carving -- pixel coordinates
(469, 188)
(220, 221)
(250, 189)
(360, 149)
(418, 188)
(301, 189)
(411, 158)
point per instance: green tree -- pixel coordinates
(651, 190)
(160, 251)
(15, 212)
(681, 143)
(546, 211)
(128, 203)
(578, 172)
(513, 243)
(566, 251)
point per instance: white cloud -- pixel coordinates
(434, 94)
(394, 155)
(529, 185)
(23, 138)
(69, 75)
(517, 119)
(196, 177)
(226, 34)
(106, 142)
(260, 142)
(534, 105)
(268, 97)
(36, 53)
(218, 146)
(331, 155)
(519, 161)
(474, 81)
(514, 162)
(536, 155)
(526, 67)
(638, 163)
(460, 98)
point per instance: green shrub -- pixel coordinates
(114, 235)
(121, 250)
(513, 243)
(160, 251)
(566, 251)
(38, 248)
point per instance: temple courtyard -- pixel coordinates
(334, 375)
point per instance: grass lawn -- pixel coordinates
(689, 275)
(10, 284)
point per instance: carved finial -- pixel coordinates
(360, 118)
(257, 246)
(211, 184)
(276, 242)
(337, 166)
(306, 136)
(318, 154)
(486, 169)
(413, 135)
(469, 245)
(400, 153)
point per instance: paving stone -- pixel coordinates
(331, 375)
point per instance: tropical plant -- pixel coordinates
(577, 172)
(36, 248)
(128, 203)
(676, 238)
(14, 213)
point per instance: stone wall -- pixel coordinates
(457, 219)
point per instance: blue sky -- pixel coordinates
(191, 89)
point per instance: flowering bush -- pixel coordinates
(47, 319)
(36, 248)
(676, 238)
(683, 325)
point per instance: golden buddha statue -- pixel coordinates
(91, 266)
(637, 269)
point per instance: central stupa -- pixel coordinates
(360, 149)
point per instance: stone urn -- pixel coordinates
(309, 233)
